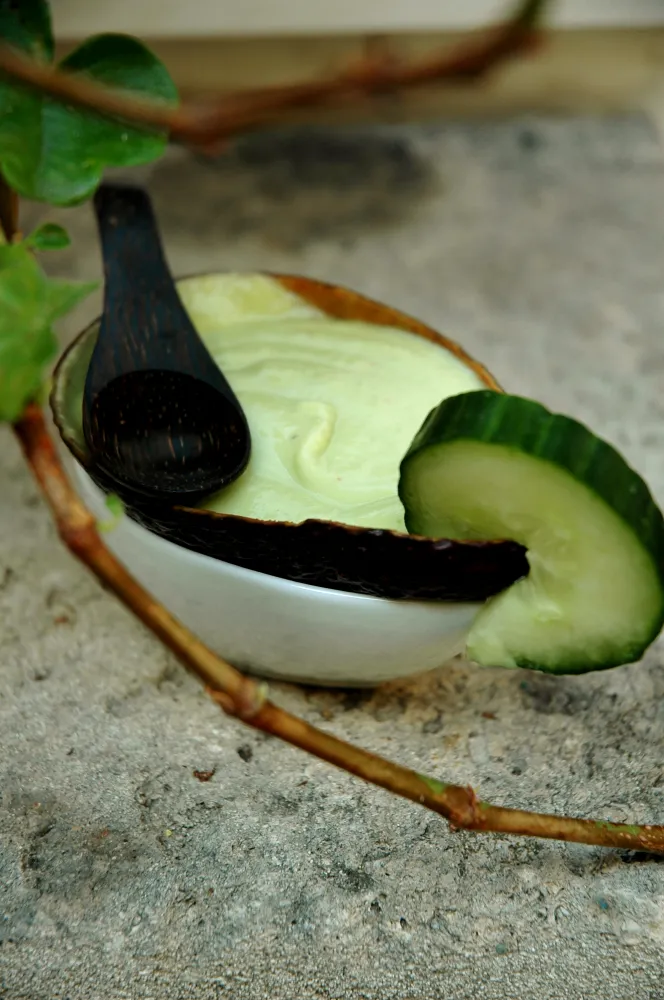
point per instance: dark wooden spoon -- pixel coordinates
(159, 417)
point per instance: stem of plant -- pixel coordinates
(245, 698)
(203, 126)
(238, 695)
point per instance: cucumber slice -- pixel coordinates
(487, 465)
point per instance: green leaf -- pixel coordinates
(29, 304)
(62, 296)
(55, 153)
(115, 507)
(49, 236)
(26, 24)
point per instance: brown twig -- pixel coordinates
(78, 530)
(8, 210)
(201, 126)
(240, 696)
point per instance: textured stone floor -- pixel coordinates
(540, 245)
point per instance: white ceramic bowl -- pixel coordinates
(261, 623)
(277, 628)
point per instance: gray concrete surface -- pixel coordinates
(540, 245)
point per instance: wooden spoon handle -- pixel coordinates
(134, 261)
(144, 325)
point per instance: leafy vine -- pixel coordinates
(111, 102)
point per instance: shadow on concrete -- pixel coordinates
(293, 188)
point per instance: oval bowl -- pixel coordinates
(315, 602)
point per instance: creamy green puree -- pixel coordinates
(332, 404)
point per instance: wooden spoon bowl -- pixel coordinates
(159, 417)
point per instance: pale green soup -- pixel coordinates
(332, 404)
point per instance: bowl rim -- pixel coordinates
(298, 285)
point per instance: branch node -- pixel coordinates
(246, 703)
(472, 805)
(463, 811)
(250, 699)
(224, 701)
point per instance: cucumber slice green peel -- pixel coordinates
(487, 465)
